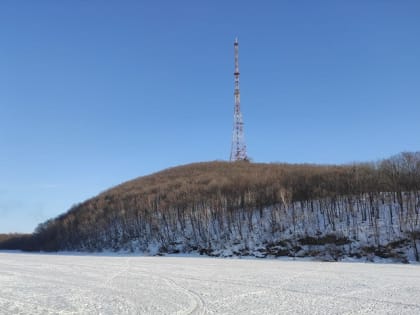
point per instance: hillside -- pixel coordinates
(241, 208)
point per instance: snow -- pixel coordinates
(369, 225)
(92, 284)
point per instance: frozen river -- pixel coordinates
(65, 284)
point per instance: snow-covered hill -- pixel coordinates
(248, 209)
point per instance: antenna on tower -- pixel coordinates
(238, 150)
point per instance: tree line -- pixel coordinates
(210, 205)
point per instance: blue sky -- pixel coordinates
(94, 93)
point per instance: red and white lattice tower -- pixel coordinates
(238, 150)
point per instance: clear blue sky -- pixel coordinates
(94, 93)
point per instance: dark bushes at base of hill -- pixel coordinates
(323, 240)
(397, 251)
(324, 250)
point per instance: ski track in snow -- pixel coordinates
(66, 284)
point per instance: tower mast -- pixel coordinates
(238, 150)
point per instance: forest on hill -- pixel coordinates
(241, 208)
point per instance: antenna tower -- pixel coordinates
(238, 150)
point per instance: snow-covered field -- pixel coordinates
(66, 284)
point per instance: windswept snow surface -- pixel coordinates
(66, 284)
